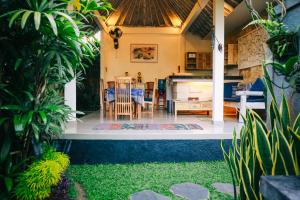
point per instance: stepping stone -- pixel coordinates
(225, 188)
(190, 191)
(148, 195)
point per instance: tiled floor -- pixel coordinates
(83, 128)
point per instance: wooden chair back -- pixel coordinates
(110, 84)
(149, 89)
(123, 101)
(152, 97)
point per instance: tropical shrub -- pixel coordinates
(43, 45)
(36, 182)
(263, 151)
(62, 159)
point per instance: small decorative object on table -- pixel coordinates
(139, 77)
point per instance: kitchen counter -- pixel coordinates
(207, 77)
(181, 87)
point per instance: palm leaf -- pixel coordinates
(75, 27)
(13, 18)
(52, 22)
(25, 17)
(37, 20)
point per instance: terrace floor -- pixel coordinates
(86, 128)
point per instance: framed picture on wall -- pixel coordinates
(144, 53)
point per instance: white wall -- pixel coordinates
(171, 49)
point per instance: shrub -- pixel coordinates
(36, 182)
(62, 159)
(264, 151)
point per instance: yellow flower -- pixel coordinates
(74, 4)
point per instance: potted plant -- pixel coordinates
(282, 42)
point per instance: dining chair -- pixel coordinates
(150, 97)
(123, 101)
(109, 85)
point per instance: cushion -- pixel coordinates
(259, 86)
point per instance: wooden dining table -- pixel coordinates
(137, 95)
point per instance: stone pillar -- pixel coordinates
(70, 96)
(218, 62)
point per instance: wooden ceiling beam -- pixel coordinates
(127, 9)
(197, 9)
(163, 13)
(100, 22)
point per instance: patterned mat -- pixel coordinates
(126, 126)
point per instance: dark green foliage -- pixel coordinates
(43, 46)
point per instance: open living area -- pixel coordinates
(174, 67)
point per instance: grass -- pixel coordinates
(119, 181)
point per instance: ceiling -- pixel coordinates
(157, 13)
(164, 13)
(204, 22)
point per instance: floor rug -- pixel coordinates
(126, 126)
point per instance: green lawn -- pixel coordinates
(118, 181)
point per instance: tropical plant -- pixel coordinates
(290, 70)
(282, 41)
(43, 45)
(37, 180)
(262, 151)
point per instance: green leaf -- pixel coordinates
(286, 152)
(37, 20)
(75, 27)
(11, 107)
(246, 180)
(13, 18)
(296, 137)
(24, 18)
(285, 112)
(5, 148)
(263, 148)
(43, 116)
(18, 63)
(52, 23)
(8, 183)
(18, 123)
(2, 120)
(29, 117)
(268, 83)
(296, 126)
(290, 63)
